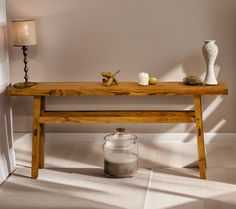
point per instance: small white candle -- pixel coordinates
(143, 79)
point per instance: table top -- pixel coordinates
(124, 88)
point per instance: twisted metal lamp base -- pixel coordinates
(25, 84)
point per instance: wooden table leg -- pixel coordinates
(200, 136)
(36, 137)
(42, 136)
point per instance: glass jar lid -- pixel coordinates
(120, 135)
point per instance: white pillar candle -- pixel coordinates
(143, 79)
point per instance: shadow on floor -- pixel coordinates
(95, 172)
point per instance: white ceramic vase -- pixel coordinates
(210, 52)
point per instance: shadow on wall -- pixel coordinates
(7, 158)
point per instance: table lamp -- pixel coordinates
(24, 35)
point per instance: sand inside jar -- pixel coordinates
(120, 164)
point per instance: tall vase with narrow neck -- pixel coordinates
(210, 52)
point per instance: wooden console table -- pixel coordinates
(42, 116)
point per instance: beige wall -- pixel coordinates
(77, 39)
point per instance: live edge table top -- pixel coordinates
(124, 88)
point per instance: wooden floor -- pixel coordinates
(67, 183)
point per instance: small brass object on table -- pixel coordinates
(152, 80)
(109, 78)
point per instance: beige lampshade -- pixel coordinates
(24, 33)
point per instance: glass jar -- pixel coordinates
(120, 154)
